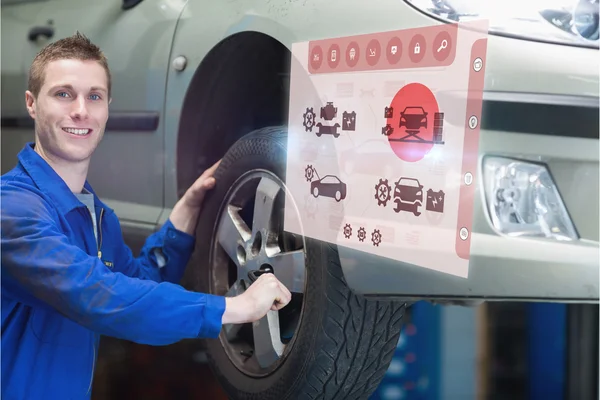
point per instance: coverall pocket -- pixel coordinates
(52, 328)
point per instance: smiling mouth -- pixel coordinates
(77, 131)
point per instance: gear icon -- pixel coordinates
(362, 234)
(309, 173)
(376, 237)
(309, 119)
(383, 192)
(347, 231)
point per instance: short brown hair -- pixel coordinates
(77, 47)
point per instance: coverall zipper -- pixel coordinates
(99, 248)
(100, 233)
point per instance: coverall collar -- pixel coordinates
(49, 182)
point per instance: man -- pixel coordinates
(67, 276)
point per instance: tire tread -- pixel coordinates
(344, 378)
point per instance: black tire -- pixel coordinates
(344, 342)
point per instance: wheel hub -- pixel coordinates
(249, 236)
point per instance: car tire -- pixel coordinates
(344, 342)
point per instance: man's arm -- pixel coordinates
(163, 257)
(41, 268)
(167, 252)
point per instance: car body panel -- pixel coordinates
(17, 20)
(521, 71)
(517, 66)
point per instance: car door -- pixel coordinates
(127, 170)
(18, 17)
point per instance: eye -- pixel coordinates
(62, 94)
(95, 97)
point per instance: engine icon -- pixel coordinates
(328, 112)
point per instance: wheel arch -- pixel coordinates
(240, 85)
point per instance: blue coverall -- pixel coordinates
(64, 285)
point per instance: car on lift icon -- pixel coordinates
(329, 186)
(408, 196)
(413, 118)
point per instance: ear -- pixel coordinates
(30, 103)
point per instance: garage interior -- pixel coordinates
(498, 350)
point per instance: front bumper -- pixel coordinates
(500, 269)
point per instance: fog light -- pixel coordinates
(522, 200)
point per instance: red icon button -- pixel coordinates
(416, 48)
(352, 54)
(394, 50)
(373, 52)
(442, 46)
(333, 56)
(316, 57)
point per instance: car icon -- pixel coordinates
(408, 196)
(329, 186)
(413, 118)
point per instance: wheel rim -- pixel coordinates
(249, 235)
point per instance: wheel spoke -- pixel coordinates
(267, 340)
(266, 192)
(289, 269)
(233, 232)
(232, 330)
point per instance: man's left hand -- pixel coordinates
(185, 213)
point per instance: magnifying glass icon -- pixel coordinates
(443, 45)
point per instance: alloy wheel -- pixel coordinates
(249, 236)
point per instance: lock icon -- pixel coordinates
(417, 48)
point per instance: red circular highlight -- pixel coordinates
(373, 52)
(414, 107)
(417, 48)
(442, 46)
(352, 54)
(316, 57)
(394, 50)
(333, 57)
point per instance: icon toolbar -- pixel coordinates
(423, 47)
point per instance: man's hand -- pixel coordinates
(265, 294)
(185, 213)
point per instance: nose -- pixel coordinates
(79, 109)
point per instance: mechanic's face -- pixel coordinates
(70, 111)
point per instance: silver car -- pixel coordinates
(194, 81)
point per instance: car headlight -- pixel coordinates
(522, 200)
(572, 22)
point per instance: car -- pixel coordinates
(408, 195)
(197, 81)
(413, 118)
(329, 186)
